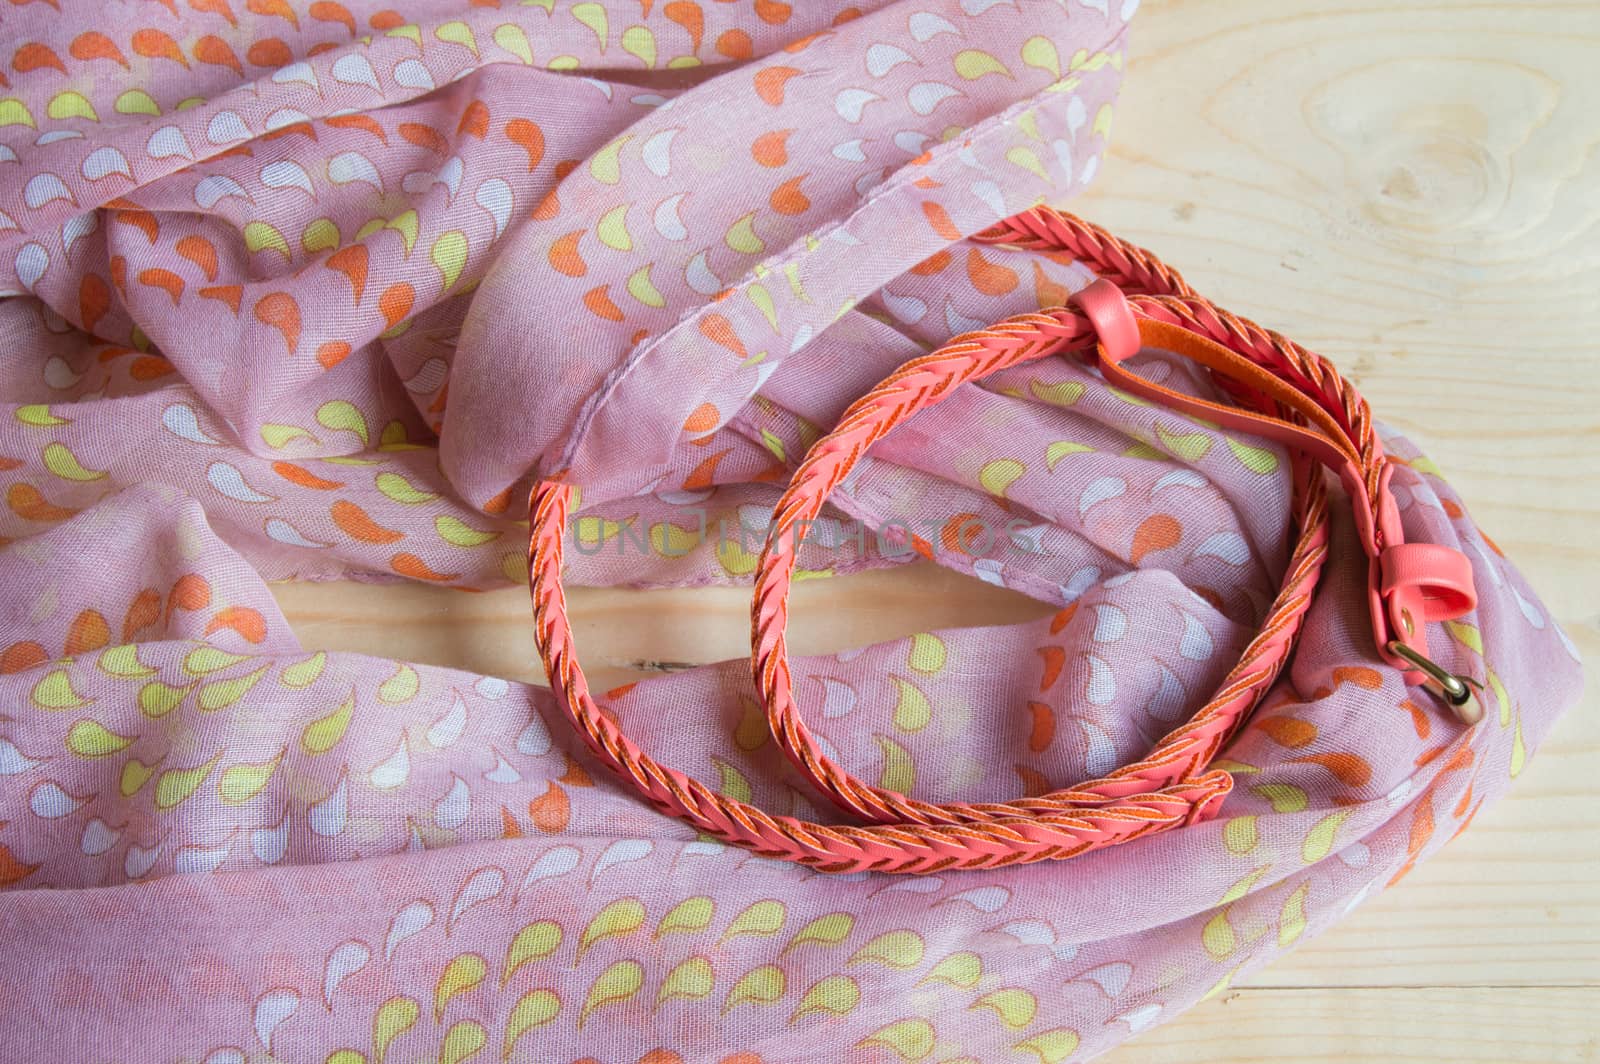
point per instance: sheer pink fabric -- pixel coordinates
(314, 289)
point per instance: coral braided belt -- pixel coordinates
(1279, 390)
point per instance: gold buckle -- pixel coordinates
(1455, 690)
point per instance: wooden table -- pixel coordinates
(1414, 191)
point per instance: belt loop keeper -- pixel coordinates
(1115, 327)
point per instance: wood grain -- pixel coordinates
(1414, 191)
(1492, 1025)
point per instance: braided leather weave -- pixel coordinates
(1169, 787)
(1128, 266)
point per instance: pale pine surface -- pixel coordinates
(1416, 193)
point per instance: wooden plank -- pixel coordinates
(1409, 190)
(627, 634)
(1491, 1024)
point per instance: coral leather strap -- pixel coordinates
(1119, 335)
(1422, 582)
(1284, 392)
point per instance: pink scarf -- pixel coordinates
(314, 290)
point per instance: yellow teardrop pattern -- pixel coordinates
(829, 930)
(622, 917)
(533, 1009)
(534, 942)
(892, 949)
(835, 995)
(464, 973)
(762, 918)
(759, 986)
(691, 978)
(690, 914)
(615, 985)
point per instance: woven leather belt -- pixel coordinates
(1278, 390)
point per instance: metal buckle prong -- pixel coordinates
(1453, 689)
